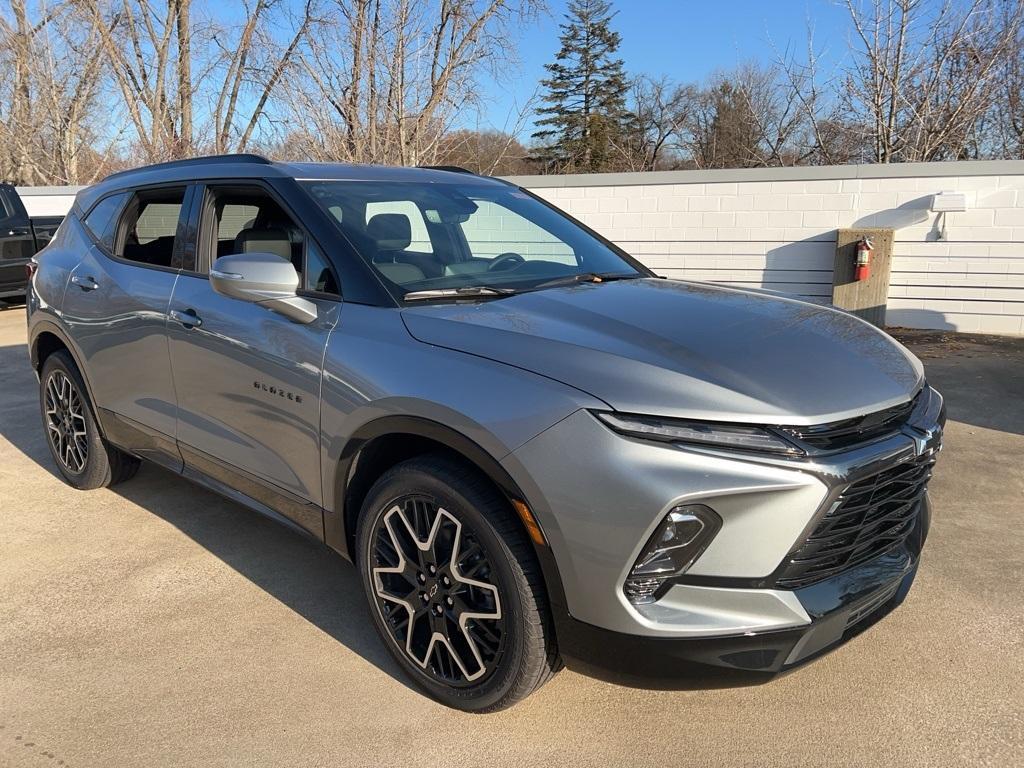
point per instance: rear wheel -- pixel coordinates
(454, 586)
(83, 457)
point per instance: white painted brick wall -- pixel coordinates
(48, 201)
(776, 229)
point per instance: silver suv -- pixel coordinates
(534, 450)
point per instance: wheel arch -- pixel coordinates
(47, 338)
(380, 444)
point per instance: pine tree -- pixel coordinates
(585, 104)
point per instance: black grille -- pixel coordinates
(873, 516)
(837, 435)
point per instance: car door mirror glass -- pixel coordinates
(265, 279)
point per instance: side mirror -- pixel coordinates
(265, 279)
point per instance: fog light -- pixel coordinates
(682, 536)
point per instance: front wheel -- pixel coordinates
(454, 587)
(84, 458)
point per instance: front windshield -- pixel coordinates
(465, 236)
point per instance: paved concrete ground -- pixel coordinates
(161, 625)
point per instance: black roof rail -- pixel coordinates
(240, 158)
(449, 168)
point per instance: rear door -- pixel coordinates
(116, 310)
(248, 379)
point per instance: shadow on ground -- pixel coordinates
(303, 574)
(981, 376)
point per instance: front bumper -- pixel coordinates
(839, 609)
(599, 495)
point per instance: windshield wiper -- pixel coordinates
(466, 292)
(584, 277)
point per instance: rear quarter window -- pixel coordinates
(102, 219)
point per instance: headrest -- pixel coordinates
(264, 241)
(391, 231)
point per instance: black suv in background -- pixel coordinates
(21, 237)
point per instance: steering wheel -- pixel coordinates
(505, 261)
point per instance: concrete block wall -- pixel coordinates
(776, 229)
(48, 201)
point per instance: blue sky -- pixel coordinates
(684, 39)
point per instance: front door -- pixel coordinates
(248, 379)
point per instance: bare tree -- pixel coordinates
(165, 63)
(925, 73)
(385, 80)
(149, 47)
(660, 108)
(19, 119)
(826, 134)
(1007, 118)
(51, 78)
(251, 67)
(775, 113)
(747, 117)
(493, 153)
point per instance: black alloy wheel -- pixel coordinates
(454, 585)
(66, 426)
(84, 458)
(433, 580)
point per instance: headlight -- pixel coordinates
(682, 536)
(698, 432)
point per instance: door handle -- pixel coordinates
(85, 283)
(188, 318)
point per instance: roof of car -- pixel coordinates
(243, 166)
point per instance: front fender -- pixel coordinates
(378, 380)
(373, 368)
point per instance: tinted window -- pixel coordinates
(248, 220)
(421, 236)
(102, 219)
(157, 220)
(149, 227)
(318, 275)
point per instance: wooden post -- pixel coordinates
(865, 298)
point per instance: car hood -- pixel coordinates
(685, 349)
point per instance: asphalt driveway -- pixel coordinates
(158, 624)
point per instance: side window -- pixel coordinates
(494, 229)
(102, 220)
(419, 240)
(248, 220)
(318, 275)
(149, 227)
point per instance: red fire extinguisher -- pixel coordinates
(864, 250)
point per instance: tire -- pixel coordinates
(84, 459)
(486, 598)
